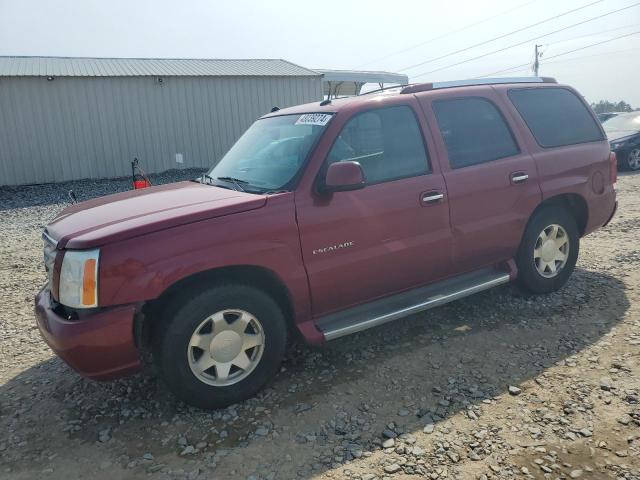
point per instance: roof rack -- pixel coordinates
(423, 87)
(391, 87)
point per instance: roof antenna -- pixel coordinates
(274, 109)
(325, 102)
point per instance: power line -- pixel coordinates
(501, 36)
(440, 37)
(525, 41)
(594, 55)
(593, 34)
(560, 54)
(518, 67)
(525, 66)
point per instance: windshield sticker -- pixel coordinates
(313, 119)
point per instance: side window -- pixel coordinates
(386, 142)
(555, 116)
(474, 131)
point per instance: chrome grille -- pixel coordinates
(50, 252)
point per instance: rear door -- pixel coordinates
(492, 184)
(391, 235)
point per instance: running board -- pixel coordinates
(387, 309)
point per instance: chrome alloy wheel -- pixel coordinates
(633, 160)
(551, 251)
(226, 347)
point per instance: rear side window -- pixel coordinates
(555, 116)
(386, 142)
(474, 131)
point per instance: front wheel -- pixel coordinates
(220, 346)
(549, 251)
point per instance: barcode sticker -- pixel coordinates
(313, 119)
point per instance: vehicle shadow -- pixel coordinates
(330, 402)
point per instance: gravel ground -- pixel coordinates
(498, 385)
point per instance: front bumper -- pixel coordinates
(99, 346)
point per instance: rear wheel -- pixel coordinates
(549, 250)
(220, 346)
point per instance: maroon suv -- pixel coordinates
(327, 218)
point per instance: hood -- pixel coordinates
(137, 212)
(617, 135)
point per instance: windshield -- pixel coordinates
(623, 122)
(271, 152)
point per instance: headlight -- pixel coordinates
(79, 279)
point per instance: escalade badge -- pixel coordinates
(333, 248)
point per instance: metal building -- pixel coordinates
(72, 118)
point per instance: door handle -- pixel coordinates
(519, 177)
(432, 197)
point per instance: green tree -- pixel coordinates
(604, 106)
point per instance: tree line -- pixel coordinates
(604, 106)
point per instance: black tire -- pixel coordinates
(529, 277)
(172, 336)
(628, 163)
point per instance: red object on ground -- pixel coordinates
(138, 184)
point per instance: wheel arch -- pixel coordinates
(575, 204)
(258, 277)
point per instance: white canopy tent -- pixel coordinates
(337, 83)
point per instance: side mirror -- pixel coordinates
(344, 176)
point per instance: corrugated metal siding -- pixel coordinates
(135, 67)
(73, 128)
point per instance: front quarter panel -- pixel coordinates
(142, 268)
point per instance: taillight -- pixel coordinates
(613, 168)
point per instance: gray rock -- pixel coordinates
(389, 433)
(388, 443)
(606, 384)
(417, 451)
(429, 428)
(514, 390)
(624, 419)
(393, 468)
(189, 450)
(575, 473)
(585, 432)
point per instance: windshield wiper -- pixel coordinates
(203, 178)
(236, 181)
(209, 181)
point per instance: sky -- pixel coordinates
(408, 37)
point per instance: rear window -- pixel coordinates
(555, 116)
(473, 131)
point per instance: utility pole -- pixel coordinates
(536, 62)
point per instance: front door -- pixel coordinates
(390, 236)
